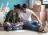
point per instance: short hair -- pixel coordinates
(18, 6)
(25, 5)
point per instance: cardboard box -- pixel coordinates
(1, 18)
(39, 8)
(30, 8)
(42, 16)
(47, 24)
(37, 2)
(3, 9)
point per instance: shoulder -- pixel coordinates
(21, 12)
(10, 11)
(29, 10)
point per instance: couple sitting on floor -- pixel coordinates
(17, 20)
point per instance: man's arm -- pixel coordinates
(19, 19)
(39, 22)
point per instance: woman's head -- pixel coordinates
(17, 7)
(24, 7)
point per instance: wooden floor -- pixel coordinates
(20, 32)
(1, 29)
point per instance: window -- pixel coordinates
(45, 1)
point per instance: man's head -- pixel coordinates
(24, 7)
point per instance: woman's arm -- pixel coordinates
(8, 17)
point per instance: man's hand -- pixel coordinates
(27, 24)
(39, 22)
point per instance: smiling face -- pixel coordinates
(17, 10)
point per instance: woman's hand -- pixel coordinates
(28, 24)
(15, 24)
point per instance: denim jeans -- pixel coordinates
(13, 27)
(33, 25)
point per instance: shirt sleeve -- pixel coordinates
(31, 12)
(8, 17)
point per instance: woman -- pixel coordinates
(12, 17)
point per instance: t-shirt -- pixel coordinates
(26, 16)
(11, 18)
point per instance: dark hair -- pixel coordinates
(25, 5)
(18, 6)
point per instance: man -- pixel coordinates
(25, 17)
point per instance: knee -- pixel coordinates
(35, 22)
(6, 23)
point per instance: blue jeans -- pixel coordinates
(13, 27)
(33, 25)
(5, 27)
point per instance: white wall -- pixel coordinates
(32, 2)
